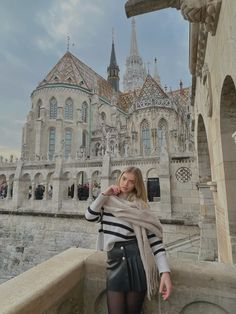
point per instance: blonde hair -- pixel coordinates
(139, 190)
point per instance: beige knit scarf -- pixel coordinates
(141, 220)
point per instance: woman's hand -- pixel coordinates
(165, 286)
(112, 190)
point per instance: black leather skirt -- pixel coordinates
(125, 270)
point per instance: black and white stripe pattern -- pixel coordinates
(114, 229)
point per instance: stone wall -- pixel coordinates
(29, 239)
(184, 191)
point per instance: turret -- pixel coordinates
(113, 69)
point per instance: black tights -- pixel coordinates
(119, 302)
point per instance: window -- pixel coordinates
(51, 141)
(84, 113)
(162, 132)
(53, 108)
(146, 141)
(68, 142)
(68, 110)
(39, 105)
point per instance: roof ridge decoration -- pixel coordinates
(152, 95)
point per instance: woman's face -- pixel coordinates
(127, 182)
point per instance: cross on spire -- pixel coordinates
(113, 34)
(148, 66)
(68, 43)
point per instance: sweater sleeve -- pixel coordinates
(159, 253)
(93, 212)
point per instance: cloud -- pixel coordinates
(75, 18)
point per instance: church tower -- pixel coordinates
(135, 73)
(113, 69)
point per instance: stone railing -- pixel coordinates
(74, 282)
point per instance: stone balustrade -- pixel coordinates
(74, 282)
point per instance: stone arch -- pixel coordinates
(96, 183)
(153, 185)
(207, 221)
(67, 182)
(82, 186)
(3, 186)
(204, 164)
(203, 307)
(39, 186)
(227, 128)
(25, 188)
(114, 176)
(49, 185)
(10, 185)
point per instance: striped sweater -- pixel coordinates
(114, 230)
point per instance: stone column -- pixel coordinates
(207, 224)
(8, 190)
(17, 192)
(45, 195)
(164, 175)
(58, 185)
(90, 198)
(105, 175)
(33, 190)
(75, 198)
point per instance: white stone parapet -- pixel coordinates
(68, 280)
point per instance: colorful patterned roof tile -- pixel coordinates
(71, 70)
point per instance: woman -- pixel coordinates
(132, 237)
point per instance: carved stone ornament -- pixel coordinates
(195, 11)
(206, 80)
(202, 11)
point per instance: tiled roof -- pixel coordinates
(182, 95)
(125, 100)
(71, 70)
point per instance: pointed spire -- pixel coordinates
(156, 74)
(113, 54)
(135, 73)
(113, 69)
(133, 46)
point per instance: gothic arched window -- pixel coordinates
(53, 108)
(68, 142)
(103, 116)
(51, 142)
(145, 136)
(38, 108)
(162, 131)
(84, 112)
(68, 110)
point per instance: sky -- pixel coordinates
(33, 37)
